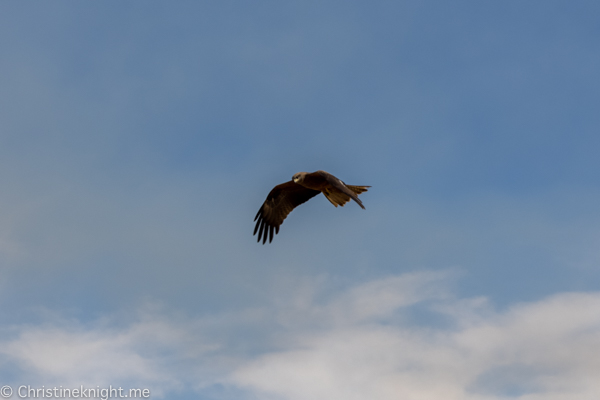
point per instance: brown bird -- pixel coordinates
(289, 195)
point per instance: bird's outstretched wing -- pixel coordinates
(279, 203)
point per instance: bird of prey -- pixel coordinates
(303, 186)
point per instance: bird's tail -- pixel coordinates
(358, 189)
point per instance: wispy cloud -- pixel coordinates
(362, 342)
(530, 351)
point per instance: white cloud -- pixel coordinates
(538, 350)
(364, 342)
(138, 355)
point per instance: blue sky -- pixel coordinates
(138, 140)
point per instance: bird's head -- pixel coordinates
(298, 178)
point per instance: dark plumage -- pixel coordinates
(289, 195)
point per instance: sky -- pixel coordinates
(139, 139)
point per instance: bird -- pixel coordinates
(289, 195)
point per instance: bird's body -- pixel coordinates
(303, 186)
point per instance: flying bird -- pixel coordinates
(289, 195)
